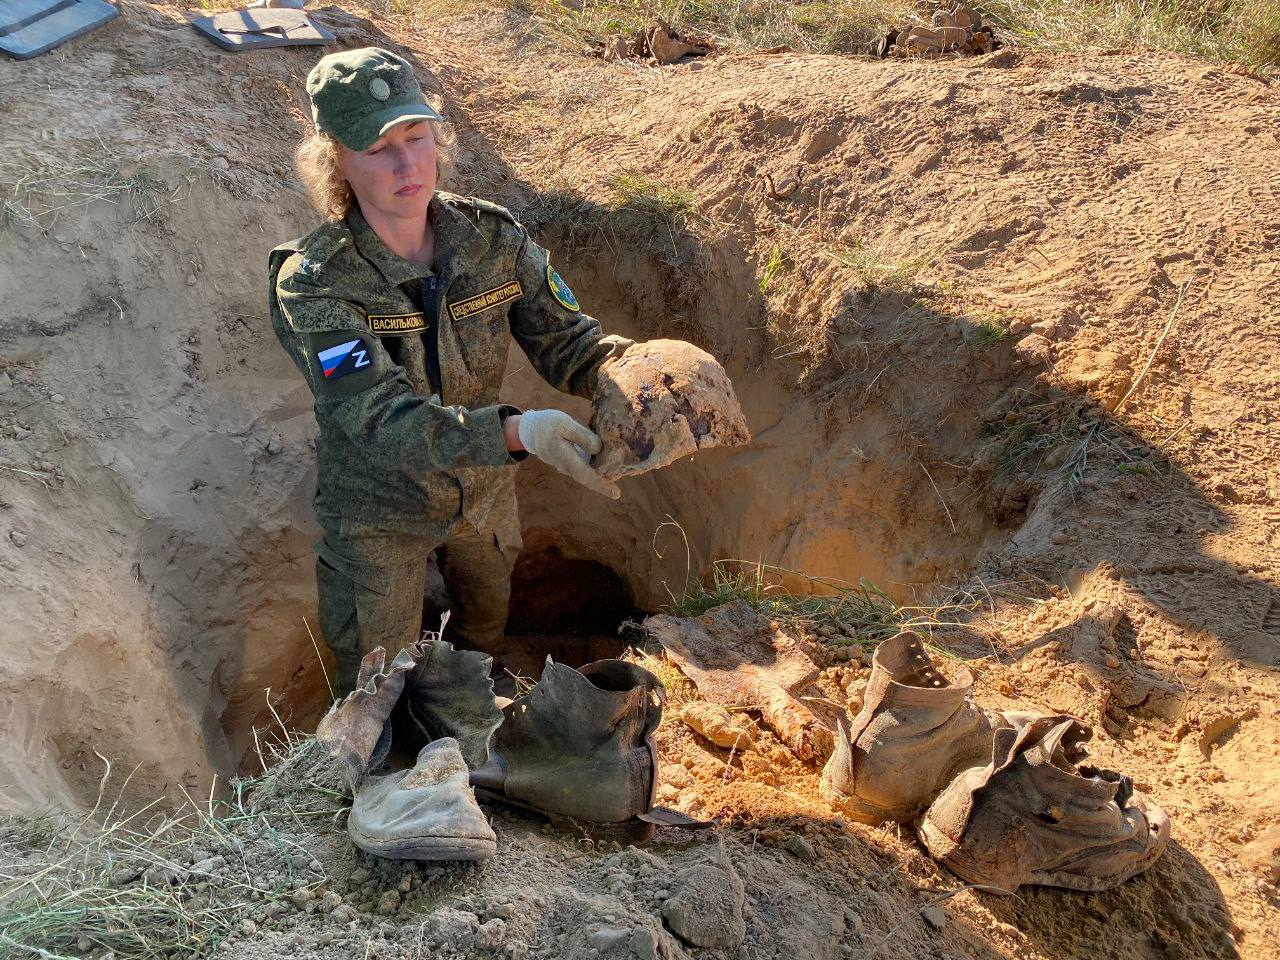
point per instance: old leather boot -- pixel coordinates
(357, 731)
(449, 694)
(1031, 816)
(579, 746)
(424, 813)
(915, 731)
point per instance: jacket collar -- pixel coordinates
(457, 242)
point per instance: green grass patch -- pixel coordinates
(772, 267)
(642, 194)
(986, 332)
(863, 612)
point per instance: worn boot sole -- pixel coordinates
(426, 847)
(951, 855)
(625, 831)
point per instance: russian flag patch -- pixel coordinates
(338, 361)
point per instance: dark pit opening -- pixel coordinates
(565, 607)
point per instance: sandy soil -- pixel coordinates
(1019, 339)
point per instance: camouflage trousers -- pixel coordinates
(371, 586)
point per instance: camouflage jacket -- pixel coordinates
(393, 454)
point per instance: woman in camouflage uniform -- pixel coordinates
(398, 311)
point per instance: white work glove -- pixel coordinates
(562, 442)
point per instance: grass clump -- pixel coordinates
(157, 884)
(1241, 30)
(772, 267)
(874, 268)
(650, 198)
(864, 613)
(986, 333)
(1064, 438)
(38, 197)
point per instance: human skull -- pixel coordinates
(659, 401)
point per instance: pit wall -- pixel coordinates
(837, 485)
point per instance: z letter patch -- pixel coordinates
(337, 362)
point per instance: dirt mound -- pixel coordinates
(1005, 322)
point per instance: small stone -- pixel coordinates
(18, 537)
(57, 398)
(248, 927)
(1111, 662)
(799, 847)
(1034, 349)
(6, 382)
(934, 916)
(359, 876)
(274, 445)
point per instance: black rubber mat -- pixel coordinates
(29, 28)
(260, 28)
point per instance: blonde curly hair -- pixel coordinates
(317, 161)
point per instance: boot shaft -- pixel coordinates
(580, 743)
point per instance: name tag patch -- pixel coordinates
(337, 361)
(393, 323)
(484, 301)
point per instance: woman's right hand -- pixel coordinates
(562, 442)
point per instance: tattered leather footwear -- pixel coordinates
(450, 694)
(1031, 816)
(425, 813)
(915, 731)
(579, 746)
(357, 731)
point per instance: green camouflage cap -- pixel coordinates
(358, 95)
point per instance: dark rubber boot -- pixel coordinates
(449, 694)
(1031, 816)
(914, 733)
(579, 746)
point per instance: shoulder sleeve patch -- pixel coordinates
(344, 358)
(560, 290)
(343, 363)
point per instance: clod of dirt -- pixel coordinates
(660, 42)
(660, 401)
(1263, 854)
(715, 723)
(705, 907)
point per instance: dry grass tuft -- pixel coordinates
(156, 883)
(1241, 30)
